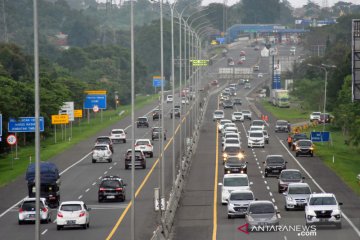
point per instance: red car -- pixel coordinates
(240, 62)
(214, 82)
(242, 53)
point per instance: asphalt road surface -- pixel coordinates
(201, 214)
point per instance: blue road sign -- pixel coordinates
(95, 99)
(276, 84)
(157, 82)
(24, 124)
(221, 40)
(320, 136)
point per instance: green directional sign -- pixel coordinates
(199, 63)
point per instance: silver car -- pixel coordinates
(238, 202)
(27, 211)
(296, 196)
(261, 215)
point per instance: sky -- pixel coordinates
(294, 3)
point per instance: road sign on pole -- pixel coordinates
(11, 139)
(95, 99)
(24, 124)
(0, 126)
(320, 136)
(157, 81)
(60, 119)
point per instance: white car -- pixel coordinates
(27, 211)
(222, 123)
(230, 124)
(323, 209)
(247, 86)
(71, 214)
(237, 116)
(232, 182)
(258, 123)
(229, 135)
(184, 100)
(145, 146)
(238, 202)
(315, 116)
(256, 139)
(231, 142)
(101, 152)
(296, 196)
(255, 128)
(247, 114)
(266, 136)
(260, 75)
(118, 135)
(218, 115)
(242, 58)
(230, 130)
(169, 98)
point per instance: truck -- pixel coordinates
(280, 98)
(49, 182)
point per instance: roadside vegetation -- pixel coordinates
(12, 168)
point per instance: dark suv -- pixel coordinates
(156, 132)
(274, 164)
(282, 126)
(228, 104)
(235, 165)
(176, 112)
(288, 176)
(139, 159)
(296, 137)
(156, 114)
(237, 101)
(142, 122)
(304, 147)
(111, 188)
(105, 140)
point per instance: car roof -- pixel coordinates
(322, 195)
(101, 144)
(217, 111)
(281, 121)
(118, 129)
(231, 128)
(261, 202)
(291, 170)
(143, 139)
(102, 137)
(256, 131)
(33, 199)
(236, 175)
(296, 184)
(231, 138)
(274, 155)
(142, 117)
(237, 112)
(242, 191)
(72, 202)
(225, 121)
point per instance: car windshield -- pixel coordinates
(102, 140)
(304, 143)
(137, 153)
(235, 141)
(246, 112)
(257, 123)
(299, 190)
(110, 184)
(322, 201)
(224, 122)
(237, 114)
(30, 206)
(142, 119)
(117, 132)
(275, 159)
(300, 136)
(169, 96)
(232, 149)
(100, 148)
(231, 129)
(218, 113)
(231, 135)
(241, 196)
(236, 181)
(227, 101)
(256, 134)
(142, 143)
(71, 207)
(281, 123)
(233, 160)
(293, 175)
(261, 208)
(316, 113)
(157, 130)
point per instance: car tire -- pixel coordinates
(229, 216)
(279, 190)
(312, 155)
(296, 154)
(126, 167)
(58, 227)
(20, 222)
(286, 209)
(124, 141)
(265, 174)
(110, 160)
(144, 166)
(84, 226)
(93, 161)
(88, 225)
(151, 155)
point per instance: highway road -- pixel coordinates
(201, 215)
(79, 181)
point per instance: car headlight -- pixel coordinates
(297, 148)
(309, 217)
(289, 199)
(250, 219)
(274, 217)
(311, 148)
(337, 216)
(225, 155)
(240, 155)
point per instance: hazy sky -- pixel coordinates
(294, 3)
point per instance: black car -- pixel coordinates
(105, 140)
(142, 122)
(228, 104)
(304, 147)
(289, 176)
(232, 151)
(176, 112)
(156, 114)
(235, 165)
(156, 132)
(274, 164)
(282, 126)
(237, 101)
(140, 159)
(296, 137)
(112, 188)
(325, 118)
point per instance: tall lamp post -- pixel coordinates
(325, 68)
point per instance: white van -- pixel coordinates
(256, 139)
(232, 182)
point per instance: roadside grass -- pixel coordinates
(11, 169)
(346, 161)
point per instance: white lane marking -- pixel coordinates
(115, 163)
(263, 176)
(100, 177)
(256, 159)
(87, 190)
(270, 193)
(44, 232)
(278, 215)
(94, 183)
(110, 168)
(105, 172)
(54, 221)
(261, 172)
(285, 238)
(273, 199)
(257, 163)
(265, 182)
(276, 208)
(110, 207)
(267, 187)
(80, 197)
(312, 179)
(259, 167)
